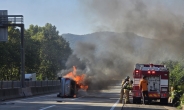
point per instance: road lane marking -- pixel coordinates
(47, 107)
(112, 108)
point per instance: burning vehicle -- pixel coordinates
(71, 83)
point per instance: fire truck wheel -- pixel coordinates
(139, 100)
(164, 101)
(58, 95)
(136, 100)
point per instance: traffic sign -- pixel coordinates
(3, 29)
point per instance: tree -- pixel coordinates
(176, 72)
(10, 55)
(53, 49)
(45, 52)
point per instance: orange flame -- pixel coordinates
(78, 78)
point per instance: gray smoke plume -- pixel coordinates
(114, 57)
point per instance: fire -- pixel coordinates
(78, 78)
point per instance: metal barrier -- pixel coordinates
(6, 84)
(12, 89)
(17, 84)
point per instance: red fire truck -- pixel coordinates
(158, 82)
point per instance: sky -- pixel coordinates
(69, 16)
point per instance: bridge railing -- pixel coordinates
(17, 84)
(12, 89)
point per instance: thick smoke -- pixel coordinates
(115, 56)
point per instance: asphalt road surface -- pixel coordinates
(103, 100)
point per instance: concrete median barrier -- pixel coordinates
(39, 90)
(1, 94)
(14, 93)
(34, 91)
(50, 89)
(11, 93)
(46, 90)
(20, 91)
(27, 91)
(54, 88)
(57, 88)
(12, 89)
(6, 94)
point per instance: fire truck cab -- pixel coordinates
(158, 82)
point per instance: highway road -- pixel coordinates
(94, 100)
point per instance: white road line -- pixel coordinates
(47, 107)
(112, 108)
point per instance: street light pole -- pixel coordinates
(22, 57)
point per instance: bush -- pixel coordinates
(179, 107)
(176, 95)
(182, 99)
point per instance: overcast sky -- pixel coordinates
(69, 16)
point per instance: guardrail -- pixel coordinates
(12, 89)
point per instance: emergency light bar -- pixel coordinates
(149, 72)
(153, 72)
(137, 73)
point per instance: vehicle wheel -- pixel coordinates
(136, 100)
(139, 100)
(58, 95)
(164, 101)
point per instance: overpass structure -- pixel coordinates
(13, 20)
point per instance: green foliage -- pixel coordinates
(10, 55)
(179, 107)
(182, 99)
(45, 53)
(176, 69)
(39, 77)
(176, 72)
